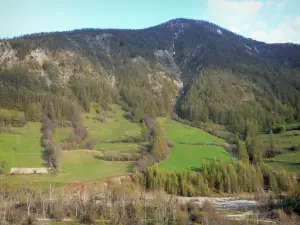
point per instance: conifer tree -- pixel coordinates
(273, 145)
(160, 148)
(34, 112)
(254, 149)
(273, 185)
(101, 222)
(242, 151)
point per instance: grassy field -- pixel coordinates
(114, 126)
(23, 149)
(79, 166)
(284, 140)
(189, 156)
(119, 147)
(288, 161)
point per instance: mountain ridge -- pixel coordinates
(165, 58)
(179, 19)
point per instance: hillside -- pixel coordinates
(97, 123)
(148, 67)
(193, 71)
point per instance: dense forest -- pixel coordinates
(232, 98)
(228, 79)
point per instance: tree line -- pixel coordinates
(118, 204)
(218, 177)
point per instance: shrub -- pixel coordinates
(121, 157)
(91, 144)
(271, 153)
(279, 129)
(3, 167)
(295, 148)
(86, 219)
(170, 144)
(29, 221)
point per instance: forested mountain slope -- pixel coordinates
(227, 78)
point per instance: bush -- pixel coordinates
(63, 123)
(91, 144)
(12, 120)
(29, 221)
(101, 119)
(3, 167)
(86, 219)
(121, 156)
(126, 139)
(56, 213)
(295, 148)
(270, 153)
(170, 144)
(279, 129)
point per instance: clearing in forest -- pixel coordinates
(192, 147)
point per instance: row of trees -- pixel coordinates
(52, 152)
(217, 176)
(26, 203)
(152, 132)
(11, 118)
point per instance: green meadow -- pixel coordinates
(283, 140)
(115, 124)
(79, 166)
(22, 149)
(289, 161)
(192, 147)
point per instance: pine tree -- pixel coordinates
(254, 149)
(160, 148)
(259, 177)
(284, 181)
(34, 112)
(51, 111)
(251, 129)
(273, 185)
(242, 151)
(273, 145)
(101, 222)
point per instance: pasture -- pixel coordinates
(22, 149)
(283, 140)
(289, 161)
(192, 147)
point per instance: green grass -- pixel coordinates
(61, 134)
(185, 156)
(119, 147)
(292, 126)
(24, 150)
(284, 140)
(288, 161)
(115, 125)
(79, 166)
